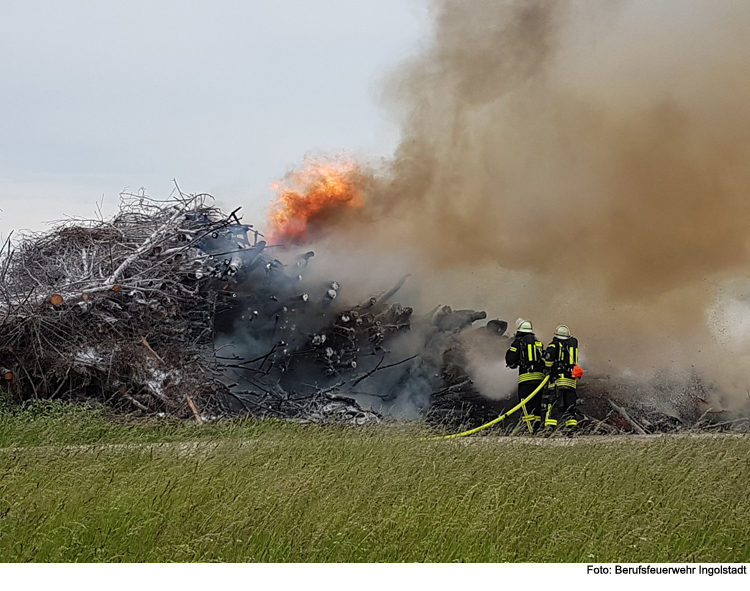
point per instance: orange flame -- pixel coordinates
(310, 199)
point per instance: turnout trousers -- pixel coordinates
(561, 410)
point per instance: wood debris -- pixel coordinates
(173, 306)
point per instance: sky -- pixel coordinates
(98, 97)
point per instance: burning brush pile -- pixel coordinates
(176, 307)
(173, 306)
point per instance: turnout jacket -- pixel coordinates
(527, 354)
(560, 358)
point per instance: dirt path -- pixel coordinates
(192, 447)
(181, 447)
(562, 441)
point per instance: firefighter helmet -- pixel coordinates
(562, 332)
(525, 326)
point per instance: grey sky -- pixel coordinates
(224, 96)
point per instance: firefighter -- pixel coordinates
(561, 359)
(527, 354)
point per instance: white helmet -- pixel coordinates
(562, 332)
(524, 326)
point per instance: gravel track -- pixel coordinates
(191, 447)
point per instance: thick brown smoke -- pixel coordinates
(579, 161)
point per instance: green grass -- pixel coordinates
(46, 423)
(302, 493)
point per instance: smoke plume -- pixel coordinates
(578, 162)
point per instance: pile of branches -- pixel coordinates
(113, 309)
(170, 307)
(129, 311)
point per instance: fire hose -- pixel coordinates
(494, 421)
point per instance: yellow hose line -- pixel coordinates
(493, 422)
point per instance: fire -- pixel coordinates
(311, 198)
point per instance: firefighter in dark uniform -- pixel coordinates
(527, 354)
(561, 359)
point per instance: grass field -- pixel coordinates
(76, 485)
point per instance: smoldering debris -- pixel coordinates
(589, 159)
(176, 307)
